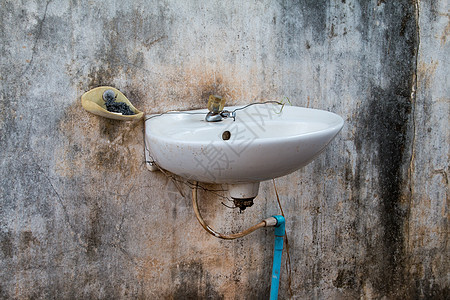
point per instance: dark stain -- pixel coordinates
(114, 59)
(299, 17)
(383, 141)
(150, 42)
(257, 286)
(315, 16)
(403, 27)
(386, 126)
(110, 128)
(348, 173)
(216, 87)
(332, 32)
(192, 282)
(6, 244)
(27, 240)
(112, 157)
(408, 29)
(429, 290)
(134, 95)
(4, 293)
(75, 148)
(346, 279)
(433, 10)
(94, 231)
(7, 119)
(102, 75)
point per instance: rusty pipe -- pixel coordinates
(264, 223)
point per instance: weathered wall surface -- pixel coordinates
(81, 217)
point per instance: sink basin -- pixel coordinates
(265, 141)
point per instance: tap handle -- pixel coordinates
(228, 114)
(216, 104)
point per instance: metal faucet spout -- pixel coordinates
(216, 112)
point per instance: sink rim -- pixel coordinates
(187, 115)
(270, 157)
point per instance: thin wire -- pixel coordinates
(211, 231)
(202, 113)
(175, 179)
(251, 104)
(174, 112)
(288, 260)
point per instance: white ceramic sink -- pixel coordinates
(263, 143)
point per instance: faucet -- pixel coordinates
(216, 112)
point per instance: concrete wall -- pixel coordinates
(81, 216)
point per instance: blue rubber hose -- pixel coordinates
(278, 251)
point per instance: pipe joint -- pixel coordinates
(280, 227)
(271, 222)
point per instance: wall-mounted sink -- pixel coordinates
(264, 142)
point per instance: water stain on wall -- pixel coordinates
(135, 49)
(94, 232)
(384, 139)
(7, 244)
(27, 240)
(192, 282)
(96, 143)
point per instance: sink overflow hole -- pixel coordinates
(226, 135)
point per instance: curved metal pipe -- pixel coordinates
(232, 236)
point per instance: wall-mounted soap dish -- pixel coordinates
(93, 102)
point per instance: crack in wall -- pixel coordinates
(36, 40)
(414, 88)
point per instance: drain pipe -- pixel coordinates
(275, 221)
(277, 253)
(264, 223)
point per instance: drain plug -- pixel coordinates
(243, 203)
(226, 135)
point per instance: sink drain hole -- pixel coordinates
(226, 135)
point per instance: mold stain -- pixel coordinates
(98, 144)
(93, 235)
(27, 240)
(7, 246)
(200, 83)
(446, 32)
(103, 75)
(383, 142)
(386, 129)
(346, 279)
(192, 282)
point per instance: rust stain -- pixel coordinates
(97, 144)
(426, 73)
(149, 268)
(446, 33)
(189, 85)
